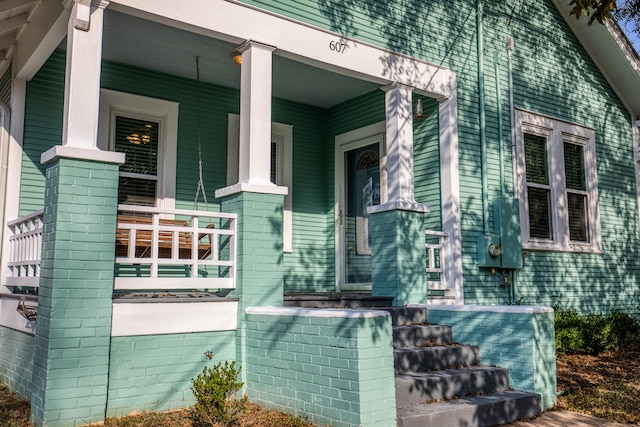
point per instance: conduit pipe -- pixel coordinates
(510, 48)
(496, 67)
(482, 113)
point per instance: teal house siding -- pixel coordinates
(552, 76)
(333, 366)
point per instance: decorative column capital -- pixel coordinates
(82, 15)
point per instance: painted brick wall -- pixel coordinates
(154, 372)
(333, 366)
(397, 251)
(76, 283)
(519, 338)
(16, 361)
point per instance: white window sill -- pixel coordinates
(585, 249)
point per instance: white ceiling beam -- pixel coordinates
(13, 23)
(47, 28)
(7, 40)
(9, 5)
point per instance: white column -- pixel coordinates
(399, 150)
(450, 194)
(82, 80)
(255, 114)
(254, 149)
(82, 85)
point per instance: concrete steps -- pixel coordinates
(440, 383)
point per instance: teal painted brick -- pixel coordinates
(321, 377)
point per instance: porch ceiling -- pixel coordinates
(14, 17)
(151, 45)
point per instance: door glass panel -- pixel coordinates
(362, 190)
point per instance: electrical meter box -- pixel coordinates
(486, 246)
(506, 223)
(504, 248)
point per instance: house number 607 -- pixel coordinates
(337, 46)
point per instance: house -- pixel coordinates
(174, 173)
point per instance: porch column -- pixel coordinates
(73, 327)
(255, 114)
(258, 202)
(397, 226)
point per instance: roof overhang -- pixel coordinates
(612, 53)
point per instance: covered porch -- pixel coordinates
(152, 164)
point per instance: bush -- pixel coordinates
(594, 333)
(216, 391)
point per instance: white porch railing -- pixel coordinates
(24, 250)
(434, 245)
(174, 249)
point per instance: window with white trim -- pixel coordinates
(146, 130)
(281, 167)
(557, 184)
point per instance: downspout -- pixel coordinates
(482, 113)
(512, 114)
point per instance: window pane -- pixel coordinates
(274, 163)
(136, 191)
(539, 213)
(138, 139)
(574, 166)
(535, 153)
(577, 217)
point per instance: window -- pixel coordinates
(281, 167)
(557, 184)
(146, 130)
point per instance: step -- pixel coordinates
(418, 335)
(405, 316)
(336, 300)
(423, 359)
(477, 411)
(449, 384)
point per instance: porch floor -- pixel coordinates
(336, 300)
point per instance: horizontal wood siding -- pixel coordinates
(553, 75)
(309, 267)
(426, 163)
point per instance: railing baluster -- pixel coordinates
(24, 250)
(191, 243)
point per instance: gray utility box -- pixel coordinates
(504, 248)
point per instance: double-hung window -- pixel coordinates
(281, 167)
(557, 184)
(146, 130)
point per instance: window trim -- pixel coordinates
(556, 133)
(282, 135)
(165, 112)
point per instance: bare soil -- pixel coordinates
(605, 386)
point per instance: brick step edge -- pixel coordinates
(477, 411)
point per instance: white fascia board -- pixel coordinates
(144, 318)
(237, 23)
(45, 31)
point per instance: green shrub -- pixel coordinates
(594, 333)
(216, 391)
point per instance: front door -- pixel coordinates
(359, 186)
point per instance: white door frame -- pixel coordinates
(346, 142)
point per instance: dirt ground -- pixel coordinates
(606, 386)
